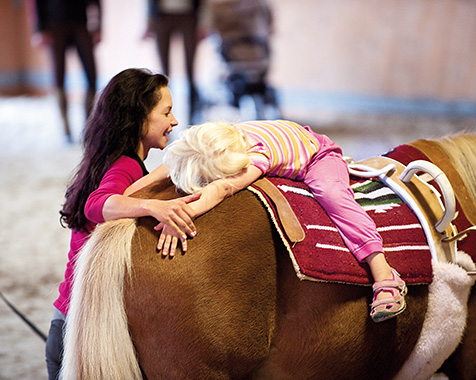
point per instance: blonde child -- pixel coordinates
(219, 159)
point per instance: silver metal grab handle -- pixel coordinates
(444, 184)
(365, 171)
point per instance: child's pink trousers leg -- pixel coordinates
(328, 178)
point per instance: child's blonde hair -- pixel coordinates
(205, 153)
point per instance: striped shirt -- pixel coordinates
(280, 148)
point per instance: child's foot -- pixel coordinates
(388, 307)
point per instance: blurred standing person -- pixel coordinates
(70, 23)
(167, 18)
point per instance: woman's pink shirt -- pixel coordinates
(117, 179)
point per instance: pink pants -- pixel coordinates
(328, 178)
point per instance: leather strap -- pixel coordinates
(287, 217)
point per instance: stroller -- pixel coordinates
(244, 27)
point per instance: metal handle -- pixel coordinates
(365, 171)
(446, 190)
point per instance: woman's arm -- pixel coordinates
(108, 201)
(176, 212)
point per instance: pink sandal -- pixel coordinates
(391, 306)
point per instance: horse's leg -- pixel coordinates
(460, 365)
(324, 332)
(208, 314)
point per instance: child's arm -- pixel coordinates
(215, 192)
(156, 175)
(212, 195)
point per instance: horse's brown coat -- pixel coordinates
(210, 312)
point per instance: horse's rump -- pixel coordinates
(215, 305)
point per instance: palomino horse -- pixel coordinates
(232, 307)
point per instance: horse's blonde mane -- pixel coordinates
(97, 340)
(461, 151)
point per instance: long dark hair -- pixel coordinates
(115, 128)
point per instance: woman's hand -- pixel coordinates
(168, 241)
(176, 214)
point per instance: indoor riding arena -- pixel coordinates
(371, 75)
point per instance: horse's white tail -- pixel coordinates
(97, 340)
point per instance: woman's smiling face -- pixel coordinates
(159, 123)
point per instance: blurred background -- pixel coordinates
(369, 74)
(343, 67)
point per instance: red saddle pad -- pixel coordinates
(323, 256)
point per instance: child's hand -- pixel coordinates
(168, 241)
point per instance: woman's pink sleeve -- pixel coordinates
(117, 179)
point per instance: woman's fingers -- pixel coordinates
(161, 241)
(170, 246)
(183, 240)
(168, 243)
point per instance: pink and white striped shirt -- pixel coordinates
(280, 148)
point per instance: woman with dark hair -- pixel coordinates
(132, 115)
